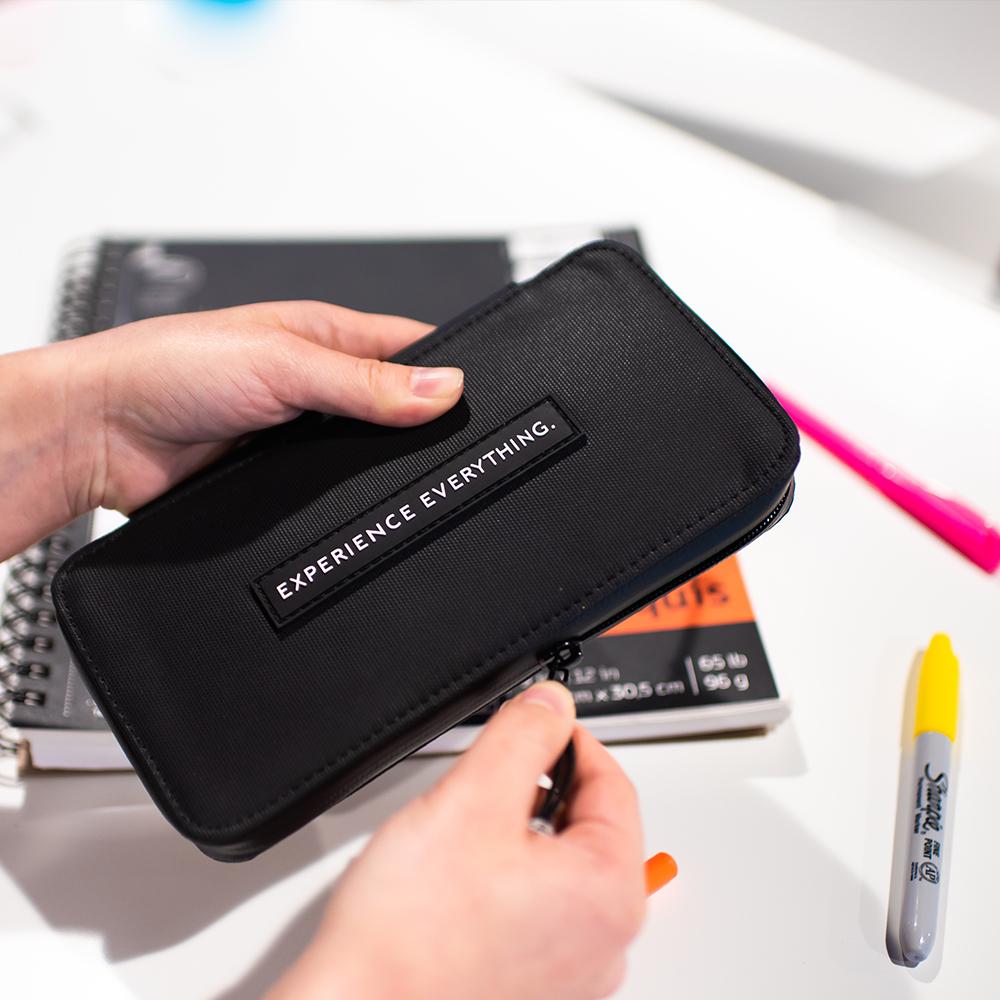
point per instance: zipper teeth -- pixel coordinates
(694, 571)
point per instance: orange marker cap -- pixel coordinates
(660, 869)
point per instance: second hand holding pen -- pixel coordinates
(659, 869)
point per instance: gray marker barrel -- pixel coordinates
(923, 881)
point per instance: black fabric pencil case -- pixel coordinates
(273, 633)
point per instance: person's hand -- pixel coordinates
(114, 419)
(455, 898)
(173, 393)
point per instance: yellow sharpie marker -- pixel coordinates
(934, 733)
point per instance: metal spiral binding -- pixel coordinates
(26, 615)
(26, 619)
(78, 297)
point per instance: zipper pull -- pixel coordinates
(559, 659)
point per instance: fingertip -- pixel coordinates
(550, 695)
(422, 394)
(502, 767)
(381, 392)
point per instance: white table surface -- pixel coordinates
(334, 119)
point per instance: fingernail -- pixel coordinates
(436, 383)
(551, 695)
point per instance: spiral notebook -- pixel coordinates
(693, 662)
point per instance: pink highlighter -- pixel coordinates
(960, 526)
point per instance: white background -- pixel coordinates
(339, 119)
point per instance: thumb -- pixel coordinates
(317, 378)
(499, 773)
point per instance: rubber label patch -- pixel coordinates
(364, 544)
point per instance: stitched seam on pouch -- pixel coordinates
(436, 696)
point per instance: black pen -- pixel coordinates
(547, 815)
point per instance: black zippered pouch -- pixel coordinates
(275, 632)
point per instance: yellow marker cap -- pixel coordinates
(937, 690)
